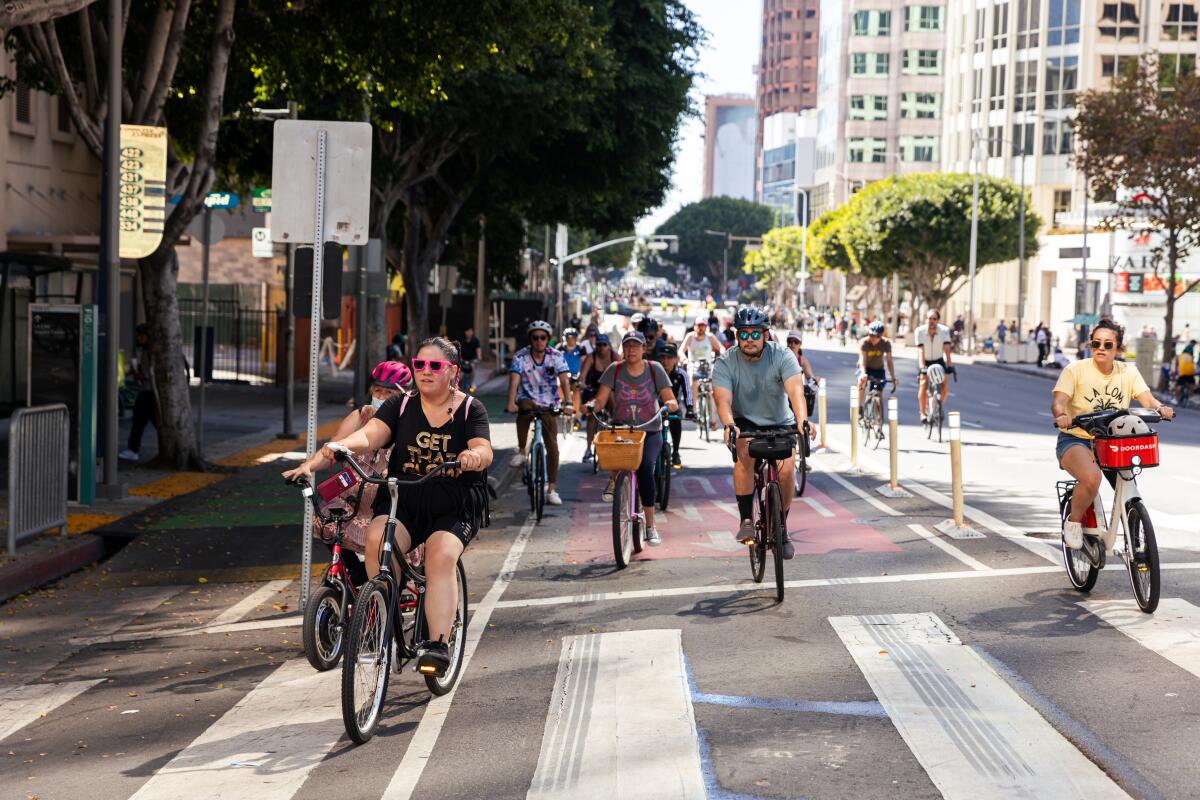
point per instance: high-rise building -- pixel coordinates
(882, 69)
(787, 61)
(729, 126)
(789, 142)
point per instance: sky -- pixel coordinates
(726, 65)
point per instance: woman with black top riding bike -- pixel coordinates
(593, 366)
(437, 425)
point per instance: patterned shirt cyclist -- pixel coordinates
(539, 379)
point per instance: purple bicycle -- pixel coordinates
(619, 449)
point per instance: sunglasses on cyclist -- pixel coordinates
(430, 364)
(1105, 345)
(539, 338)
(747, 335)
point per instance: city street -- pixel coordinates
(902, 663)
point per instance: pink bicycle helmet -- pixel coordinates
(391, 375)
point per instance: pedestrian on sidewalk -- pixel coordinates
(1042, 337)
(145, 407)
(470, 357)
(1001, 332)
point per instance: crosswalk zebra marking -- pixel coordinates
(21, 705)
(1172, 631)
(972, 733)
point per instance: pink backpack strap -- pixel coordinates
(404, 404)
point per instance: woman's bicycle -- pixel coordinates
(704, 394)
(535, 471)
(619, 449)
(800, 473)
(1123, 446)
(870, 418)
(391, 605)
(768, 447)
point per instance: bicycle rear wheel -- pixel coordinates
(456, 643)
(929, 412)
(758, 550)
(878, 421)
(776, 531)
(622, 524)
(1142, 561)
(702, 417)
(800, 471)
(1080, 570)
(539, 480)
(365, 668)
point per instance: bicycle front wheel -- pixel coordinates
(877, 421)
(941, 417)
(1141, 558)
(702, 417)
(539, 480)
(324, 627)
(622, 522)
(775, 535)
(800, 471)
(365, 667)
(457, 641)
(1081, 572)
(758, 549)
(662, 478)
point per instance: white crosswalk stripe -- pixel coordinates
(974, 735)
(1173, 631)
(21, 705)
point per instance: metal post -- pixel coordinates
(481, 322)
(725, 271)
(112, 255)
(362, 363)
(893, 410)
(956, 466)
(289, 337)
(204, 354)
(821, 402)
(310, 444)
(974, 241)
(1021, 250)
(1085, 306)
(804, 250)
(854, 427)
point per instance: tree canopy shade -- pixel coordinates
(920, 227)
(702, 252)
(1141, 142)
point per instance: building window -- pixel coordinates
(1061, 81)
(1028, 21)
(977, 91)
(997, 93)
(868, 106)
(920, 105)
(1056, 137)
(63, 123)
(1118, 21)
(980, 25)
(1171, 66)
(869, 65)
(1062, 26)
(919, 148)
(866, 150)
(995, 141)
(923, 18)
(1062, 202)
(23, 104)
(1025, 85)
(1000, 25)
(872, 23)
(1022, 138)
(1179, 21)
(922, 62)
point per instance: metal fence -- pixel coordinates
(38, 471)
(243, 340)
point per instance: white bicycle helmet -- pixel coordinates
(935, 374)
(1128, 425)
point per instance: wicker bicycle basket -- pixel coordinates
(619, 449)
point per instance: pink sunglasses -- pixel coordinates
(430, 364)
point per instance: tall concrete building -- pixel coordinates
(787, 164)
(1015, 68)
(729, 131)
(882, 70)
(787, 62)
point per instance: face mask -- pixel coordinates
(376, 403)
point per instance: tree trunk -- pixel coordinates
(1168, 341)
(416, 282)
(177, 444)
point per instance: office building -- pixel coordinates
(789, 145)
(787, 61)
(881, 77)
(729, 130)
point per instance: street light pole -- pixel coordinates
(1021, 249)
(111, 267)
(974, 241)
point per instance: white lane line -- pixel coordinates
(947, 548)
(1172, 631)
(1187, 480)
(805, 583)
(859, 493)
(21, 705)
(289, 621)
(408, 774)
(621, 723)
(973, 734)
(264, 747)
(250, 602)
(818, 507)
(991, 404)
(970, 424)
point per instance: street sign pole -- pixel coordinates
(200, 367)
(110, 269)
(289, 339)
(362, 365)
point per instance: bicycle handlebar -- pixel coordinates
(343, 455)
(603, 419)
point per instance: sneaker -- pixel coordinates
(924, 419)
(676, 462)
(1073, 534)
(652, 537)
(607, 494)
(127, 455)
(587, 456)
(553, 499)
(746, 533)
(433, 658)
(518, 460)
(788, 549)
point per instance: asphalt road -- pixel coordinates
(902, 663)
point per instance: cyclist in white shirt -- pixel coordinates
(698, 348)
(933, 347)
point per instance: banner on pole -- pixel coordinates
(141, 196)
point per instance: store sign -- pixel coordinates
(260, 199)
(141, 192)
(221, 200)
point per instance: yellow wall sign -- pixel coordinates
(142, 191)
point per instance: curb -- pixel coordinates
(1049, 375)
(20, 577)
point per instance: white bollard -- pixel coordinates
(821, 410)
(854, 427)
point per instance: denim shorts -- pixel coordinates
(1066, 441)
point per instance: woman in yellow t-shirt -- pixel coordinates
(1094, 384)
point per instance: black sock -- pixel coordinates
(746, 505)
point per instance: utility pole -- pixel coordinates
(728, 237)
(111, 266)
(481, 304)
(974, 240)
(1021, 250)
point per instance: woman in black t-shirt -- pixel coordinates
(440, 424)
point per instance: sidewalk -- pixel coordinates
(241, 427)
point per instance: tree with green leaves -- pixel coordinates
(1140, 142)
(776, 263)
(704, 253)
(919, 226)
